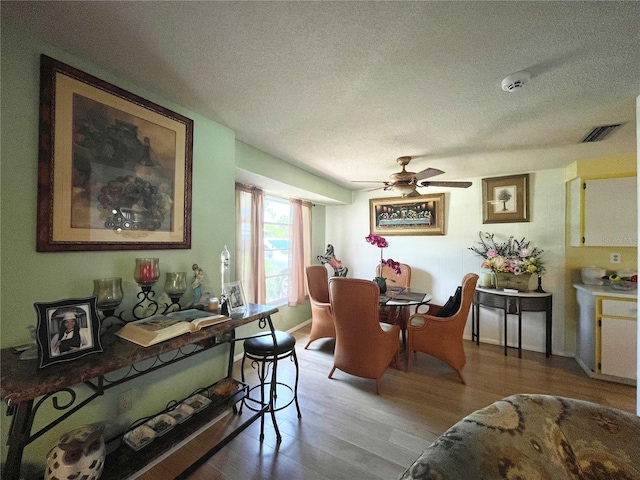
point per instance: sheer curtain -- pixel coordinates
(300, 250)
(250, 242)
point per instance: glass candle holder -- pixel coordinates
(175, 283)
(146, 272)
(109, 292)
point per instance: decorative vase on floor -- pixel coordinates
(509, 280)
(382, 283)
(80, 453)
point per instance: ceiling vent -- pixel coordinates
(600, 133)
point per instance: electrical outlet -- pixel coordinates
(615, 258)
(125, 401)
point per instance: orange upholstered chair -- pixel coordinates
(321, 315)
(364, 346)
(441, 337)
(393, 279)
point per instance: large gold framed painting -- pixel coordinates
(114, 169)
(420, 215)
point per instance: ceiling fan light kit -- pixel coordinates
(515, 81)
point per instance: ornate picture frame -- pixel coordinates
(235, 296)
(67, 330)
(114, 169)
(505, 199)
(419, 215)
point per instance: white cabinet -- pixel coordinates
(617, 353)
(606, 340)
(603, 212)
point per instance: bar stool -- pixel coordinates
(265, 355)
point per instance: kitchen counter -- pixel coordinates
(604, 290)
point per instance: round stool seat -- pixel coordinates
(265, 355)
(264, 346)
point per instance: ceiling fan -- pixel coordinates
(406, 183)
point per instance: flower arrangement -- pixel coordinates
(382, 243)
(513, 256)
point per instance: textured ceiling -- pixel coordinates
(343, 88)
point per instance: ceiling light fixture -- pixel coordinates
(515, 81)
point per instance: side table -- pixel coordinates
(512, 304)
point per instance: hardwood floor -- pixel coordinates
(348, 432)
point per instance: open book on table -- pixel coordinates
(159, 328)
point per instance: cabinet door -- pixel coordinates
(575, 212)
(610, 212)
(618, 347)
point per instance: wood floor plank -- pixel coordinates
(347, 431)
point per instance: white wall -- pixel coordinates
(439, 262)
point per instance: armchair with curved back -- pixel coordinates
(364, 346)
(441, 337)
(321, 314)
(393, 279)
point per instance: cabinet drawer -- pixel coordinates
(620, 308)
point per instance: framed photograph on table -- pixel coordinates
(67, 330)
(421, 215)
(235, 297)
(505, 199)
(114, 169)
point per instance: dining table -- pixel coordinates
(395, 306)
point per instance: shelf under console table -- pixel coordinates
(512, 304)
(24, 388)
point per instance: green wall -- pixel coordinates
(27, 276)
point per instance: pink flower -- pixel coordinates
(382, 243)
(491, 253)
(393, 264)
(377, 240)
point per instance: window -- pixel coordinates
(273, 246)
(277, 251)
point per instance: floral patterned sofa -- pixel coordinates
(535, 437)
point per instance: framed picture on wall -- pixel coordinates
(67, 330)
(114, 169)
(505, 199)
(421, 215)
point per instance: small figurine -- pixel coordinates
(339, 270)
(196, 284)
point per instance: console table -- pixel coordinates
(511, 304)
(22, 382)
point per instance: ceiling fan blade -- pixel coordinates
(428, 173)
(368, 181)
(446, 184)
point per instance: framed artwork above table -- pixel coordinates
(114, 169)
(419, 215)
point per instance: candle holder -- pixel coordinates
(175, 285)
(146, 272)
(109, 294)
(539, 289)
